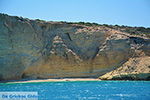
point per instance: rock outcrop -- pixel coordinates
(37, 49)
(137, 68)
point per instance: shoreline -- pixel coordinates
(62, 80)
(51, 80)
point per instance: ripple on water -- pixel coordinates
(100, 90)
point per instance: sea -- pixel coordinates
(80, 90)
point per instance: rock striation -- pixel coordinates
(33, 49)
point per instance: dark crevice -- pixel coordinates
(69, 36)
(23, 76)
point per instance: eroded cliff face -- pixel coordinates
(38, 49)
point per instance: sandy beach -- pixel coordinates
(52, 80)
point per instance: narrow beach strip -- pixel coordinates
(52, 80)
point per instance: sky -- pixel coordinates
(112, 12)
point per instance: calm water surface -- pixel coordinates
(95, 90)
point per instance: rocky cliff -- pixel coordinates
(35, 49)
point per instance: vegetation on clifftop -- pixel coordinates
(128, 29)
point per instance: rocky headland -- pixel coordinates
(37, 49)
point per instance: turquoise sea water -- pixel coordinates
(95, 90)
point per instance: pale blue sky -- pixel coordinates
(121, 12)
